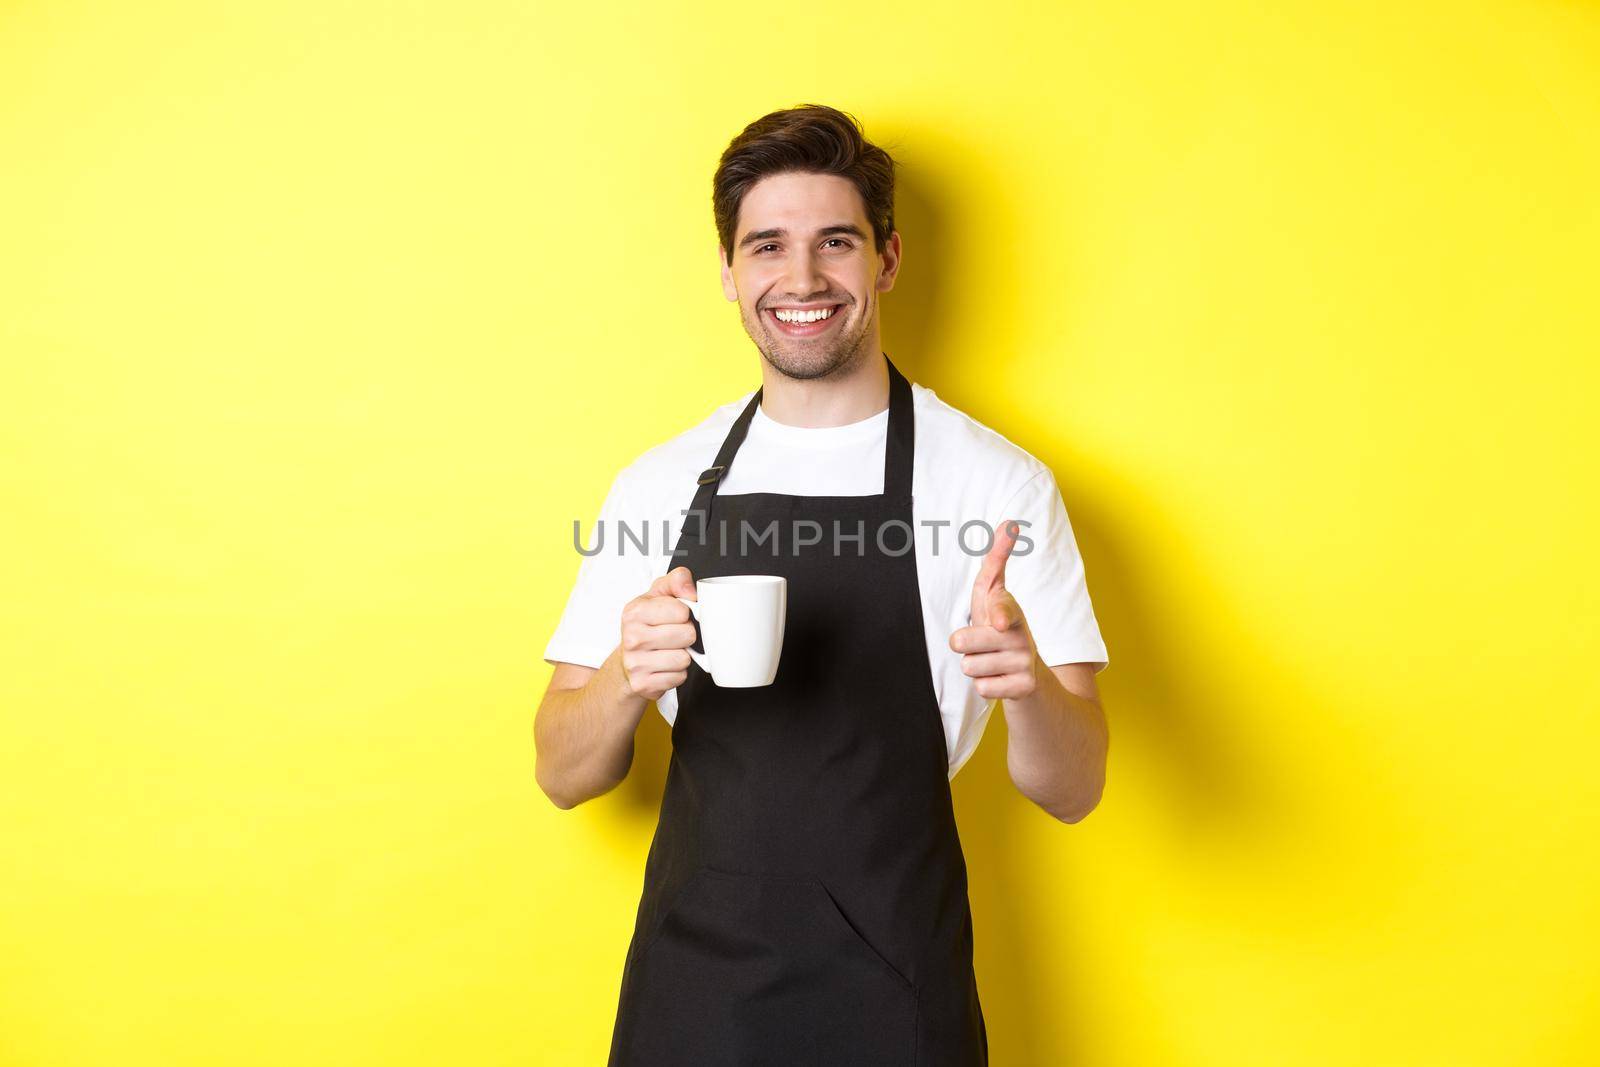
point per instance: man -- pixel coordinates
(805, 896)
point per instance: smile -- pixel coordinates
(801, 322)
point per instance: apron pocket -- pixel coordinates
(830, 904)
(752, 969)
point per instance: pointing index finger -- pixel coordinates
(992, 573)
(994, 564)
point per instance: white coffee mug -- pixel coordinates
(741, 626)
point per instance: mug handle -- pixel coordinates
(702, 658)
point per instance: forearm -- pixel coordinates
(583, 737)
(1057, 747)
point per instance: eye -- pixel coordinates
(841, 240)
(763, 248)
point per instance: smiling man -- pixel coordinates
(805, 895)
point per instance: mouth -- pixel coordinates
(803, 322)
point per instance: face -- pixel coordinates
(806, 273)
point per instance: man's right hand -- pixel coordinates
(656, 632)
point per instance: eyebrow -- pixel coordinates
(766, 235)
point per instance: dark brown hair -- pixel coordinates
(808, 138)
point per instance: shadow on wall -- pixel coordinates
(1173, 731)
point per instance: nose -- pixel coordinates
(802, 275)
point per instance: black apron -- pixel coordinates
(805, 896)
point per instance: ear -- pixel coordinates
(891, 262)
(729, 290)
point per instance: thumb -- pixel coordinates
(992, 574)
(679, 581)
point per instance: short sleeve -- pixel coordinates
(1046, 575)
(591, 622)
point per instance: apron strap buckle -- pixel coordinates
(712, 474)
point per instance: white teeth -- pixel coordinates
(802, 316)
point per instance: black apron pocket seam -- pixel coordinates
(830, 904)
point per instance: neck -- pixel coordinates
(857, 391)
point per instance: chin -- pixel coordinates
(806, 365)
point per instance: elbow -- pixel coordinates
(1077, 814)
(570, 788)
(1087, 799)
(1079, 807)
(567, 786)
(548, 774)
(560, 795)
(556, 796)
(561, 800)
(1060, 805)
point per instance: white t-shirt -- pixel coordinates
(963, 473)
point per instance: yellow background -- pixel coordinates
(321, 322)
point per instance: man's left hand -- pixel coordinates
(997, 647)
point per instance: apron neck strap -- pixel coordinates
(899, 448)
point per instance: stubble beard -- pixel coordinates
(804, 362)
